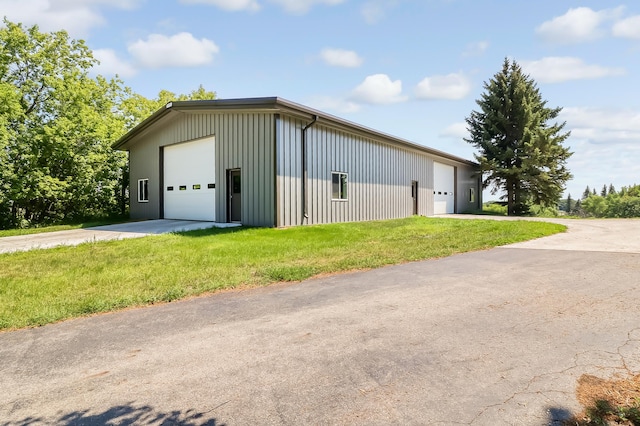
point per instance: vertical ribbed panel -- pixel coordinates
(467, 179)
(243, 141)
(379, 176)
(144, 163)
(289, 171)
(379, 172)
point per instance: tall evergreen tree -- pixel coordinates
(612, 189)
(603, 191)
(520, 141)
(569, 201)
(587, 193)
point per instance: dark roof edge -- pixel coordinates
(276, 103)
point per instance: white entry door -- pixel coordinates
(443, 188)
(189, 180)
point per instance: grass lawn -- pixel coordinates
(64, 227)
(44, 286)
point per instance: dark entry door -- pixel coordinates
(234, 190)
(414, 195)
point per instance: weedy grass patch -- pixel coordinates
(607, 401)
(44, 286)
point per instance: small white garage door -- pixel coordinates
(189, 180)
(443, 188)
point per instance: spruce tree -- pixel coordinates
(603, 192)
(569, 201)
(612, 189)
(520, 142)
(587, 193)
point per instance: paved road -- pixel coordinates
(496, 337)
(100, 233)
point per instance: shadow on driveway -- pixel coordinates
(127, 414)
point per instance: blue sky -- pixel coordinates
(410, 68)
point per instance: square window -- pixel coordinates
(338, 186)
(143, 190)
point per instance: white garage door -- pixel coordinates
(189, 180)
(443, 188)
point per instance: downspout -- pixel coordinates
(305, 213)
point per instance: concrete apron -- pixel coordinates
(103, 233)
(604, 235)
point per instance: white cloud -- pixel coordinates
(77, 17)
(334, 104)
(303, 6)
(456, 130)
(372, 13)
(603, 125)
(229, 5)
(627, 28)
(378, 89)
(77, 20)
(598, 164)
(558, 69)
(451, 86)
(476, 48)
(577, 25)
(180, 50)
(605, 145)
(375, 10)
(111, 65)
(120, 4)
(341, 58)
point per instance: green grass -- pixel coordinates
(44, 286)
(60, 227)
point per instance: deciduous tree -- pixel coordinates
(57, 125)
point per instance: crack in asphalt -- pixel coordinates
(576, 365)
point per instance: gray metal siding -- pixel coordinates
(243, 140)
(144, 163)
(467, 178)
(289, 171)
(379, 176)
(246, 142)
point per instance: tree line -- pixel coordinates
(57, 125)
(608, 202)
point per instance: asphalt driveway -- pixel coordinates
(497, 337)
(101, 233)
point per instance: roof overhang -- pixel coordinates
(274, 105)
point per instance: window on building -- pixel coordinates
(143, 190)
(338, 186)
(472, 195)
